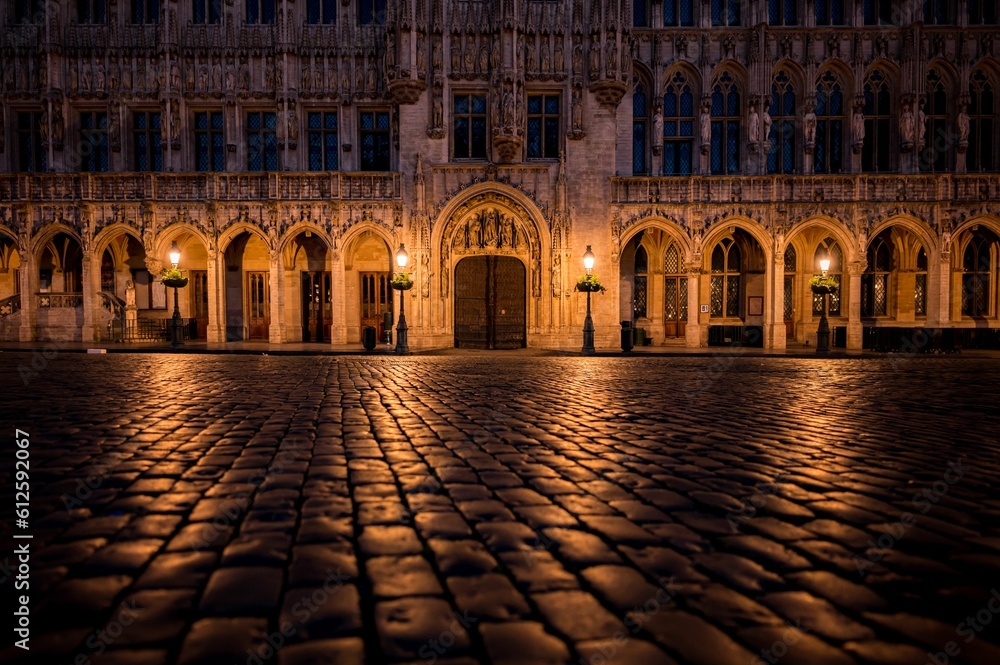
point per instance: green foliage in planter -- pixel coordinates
(589, 283)
(171, 275)
(820, 284)
(402, 280)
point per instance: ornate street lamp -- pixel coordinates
(177, 332)
(401, 282)
(823, 332)
(588, 323)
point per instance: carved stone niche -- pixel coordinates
(609, 93)
(508, 148)
(406, 91)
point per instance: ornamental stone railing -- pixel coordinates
(804, 188)
(58, 300)
(323, 186)
(10, 305)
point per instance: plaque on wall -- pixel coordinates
(158, 294)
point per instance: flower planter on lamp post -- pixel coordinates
(402, 282)
(823, 286)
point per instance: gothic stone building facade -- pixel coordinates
(709, 151)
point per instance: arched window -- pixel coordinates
(782, 12)
(726, 12)
(875, 282)
(829, 12)
(640, 128)
(107, 272)
(830, 249)
(678, 12)
(675, 295)
(877, 111)
(982, 12)
(726, 279)
(726, 117)
(829, 151)
(934, 156)
(678, 126)
(920, 285)
(977, 266)
(939, 12)
(789, 290)
(982, 118)
(781, 157)
(878, 12)
(639, 291)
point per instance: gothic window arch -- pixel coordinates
(678, 125)
(829, 12)
(726, 12)
(978, 269)
(791, 265)
(875, 155)
(982, 120)
(934, 157)
(678, 12)
(875, 283)
(920, 285)
(640, 283)
(727, 112)
(675, 294)
(640, 126)
(781, 156)
(829, 249)
(830, 122)
(782, 12)
(727, 279)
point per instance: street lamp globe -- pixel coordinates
(401, 257)
(824, 265)
(588, 259)
(175, 254)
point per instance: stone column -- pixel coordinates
(940, 282)
(276, 331)
(28, 286)
(775, 336)
(855, 335)
(338, 284)
(216, 319)
(693, 336)
(89, 332)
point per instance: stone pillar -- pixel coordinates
(774, 303)
(855, 335)
(940, 282)
(28, 286)
(338, 284)
(693, 330)
(276, 331)
(216, 318)
(89, 332)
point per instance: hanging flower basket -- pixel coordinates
(401, 282)
(172, 278)
(589, 284)
(823, 285)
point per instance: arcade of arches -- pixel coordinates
(492, 272)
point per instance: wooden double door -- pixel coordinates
(317, 306)
(257, 304)
(376, 300)
(675, 306)
(490, 303)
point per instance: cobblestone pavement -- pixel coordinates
(213, 510)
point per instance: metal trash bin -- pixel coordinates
(627, 336)
(368, 337)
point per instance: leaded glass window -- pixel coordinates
(640, 125)
(678, 12)
(789, 286)
(982, 12)
(934, 156)
(878, 12)
(639, 291)
(782, 12)
(829, 249)
(781, 156)
(94, 141)
(982, 123)
(875, 281)
(469, 118)
(678, 126)
(977, 267)
(371, 12)
(726, 121)
(262, 141)
(146, 137)
(321, 12)
(30, 151)
(939, 12)
(877, 111)
(920, 285)
(375, 140)
(209, 146)
(260, 11)
(323, 140)
(726, 12)
(829, 12)
(726, 282)
(543, 127)
(829, 151)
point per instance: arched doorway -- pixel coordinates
(737, 278)
(490, 302)
(312, 312)
(247, 288)
(367, 272)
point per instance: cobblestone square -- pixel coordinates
(223, 510)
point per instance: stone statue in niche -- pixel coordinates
(809, 126)
(964, 122)
(858, 127)
(130, 294)
(558, 57)
(921, 126)
(768, 123)
(175, 77)
(906, 125)
(595, 60)
(705, 123)
(657, 128)
(456, 54)
(74, 79)
(578, 110)
(753, 125)
(546, 59)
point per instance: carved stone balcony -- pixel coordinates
(805, 189)
(333, 185)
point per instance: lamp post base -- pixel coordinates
(823, 332)
(402, 343)
(588, 331)
(177, 331)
